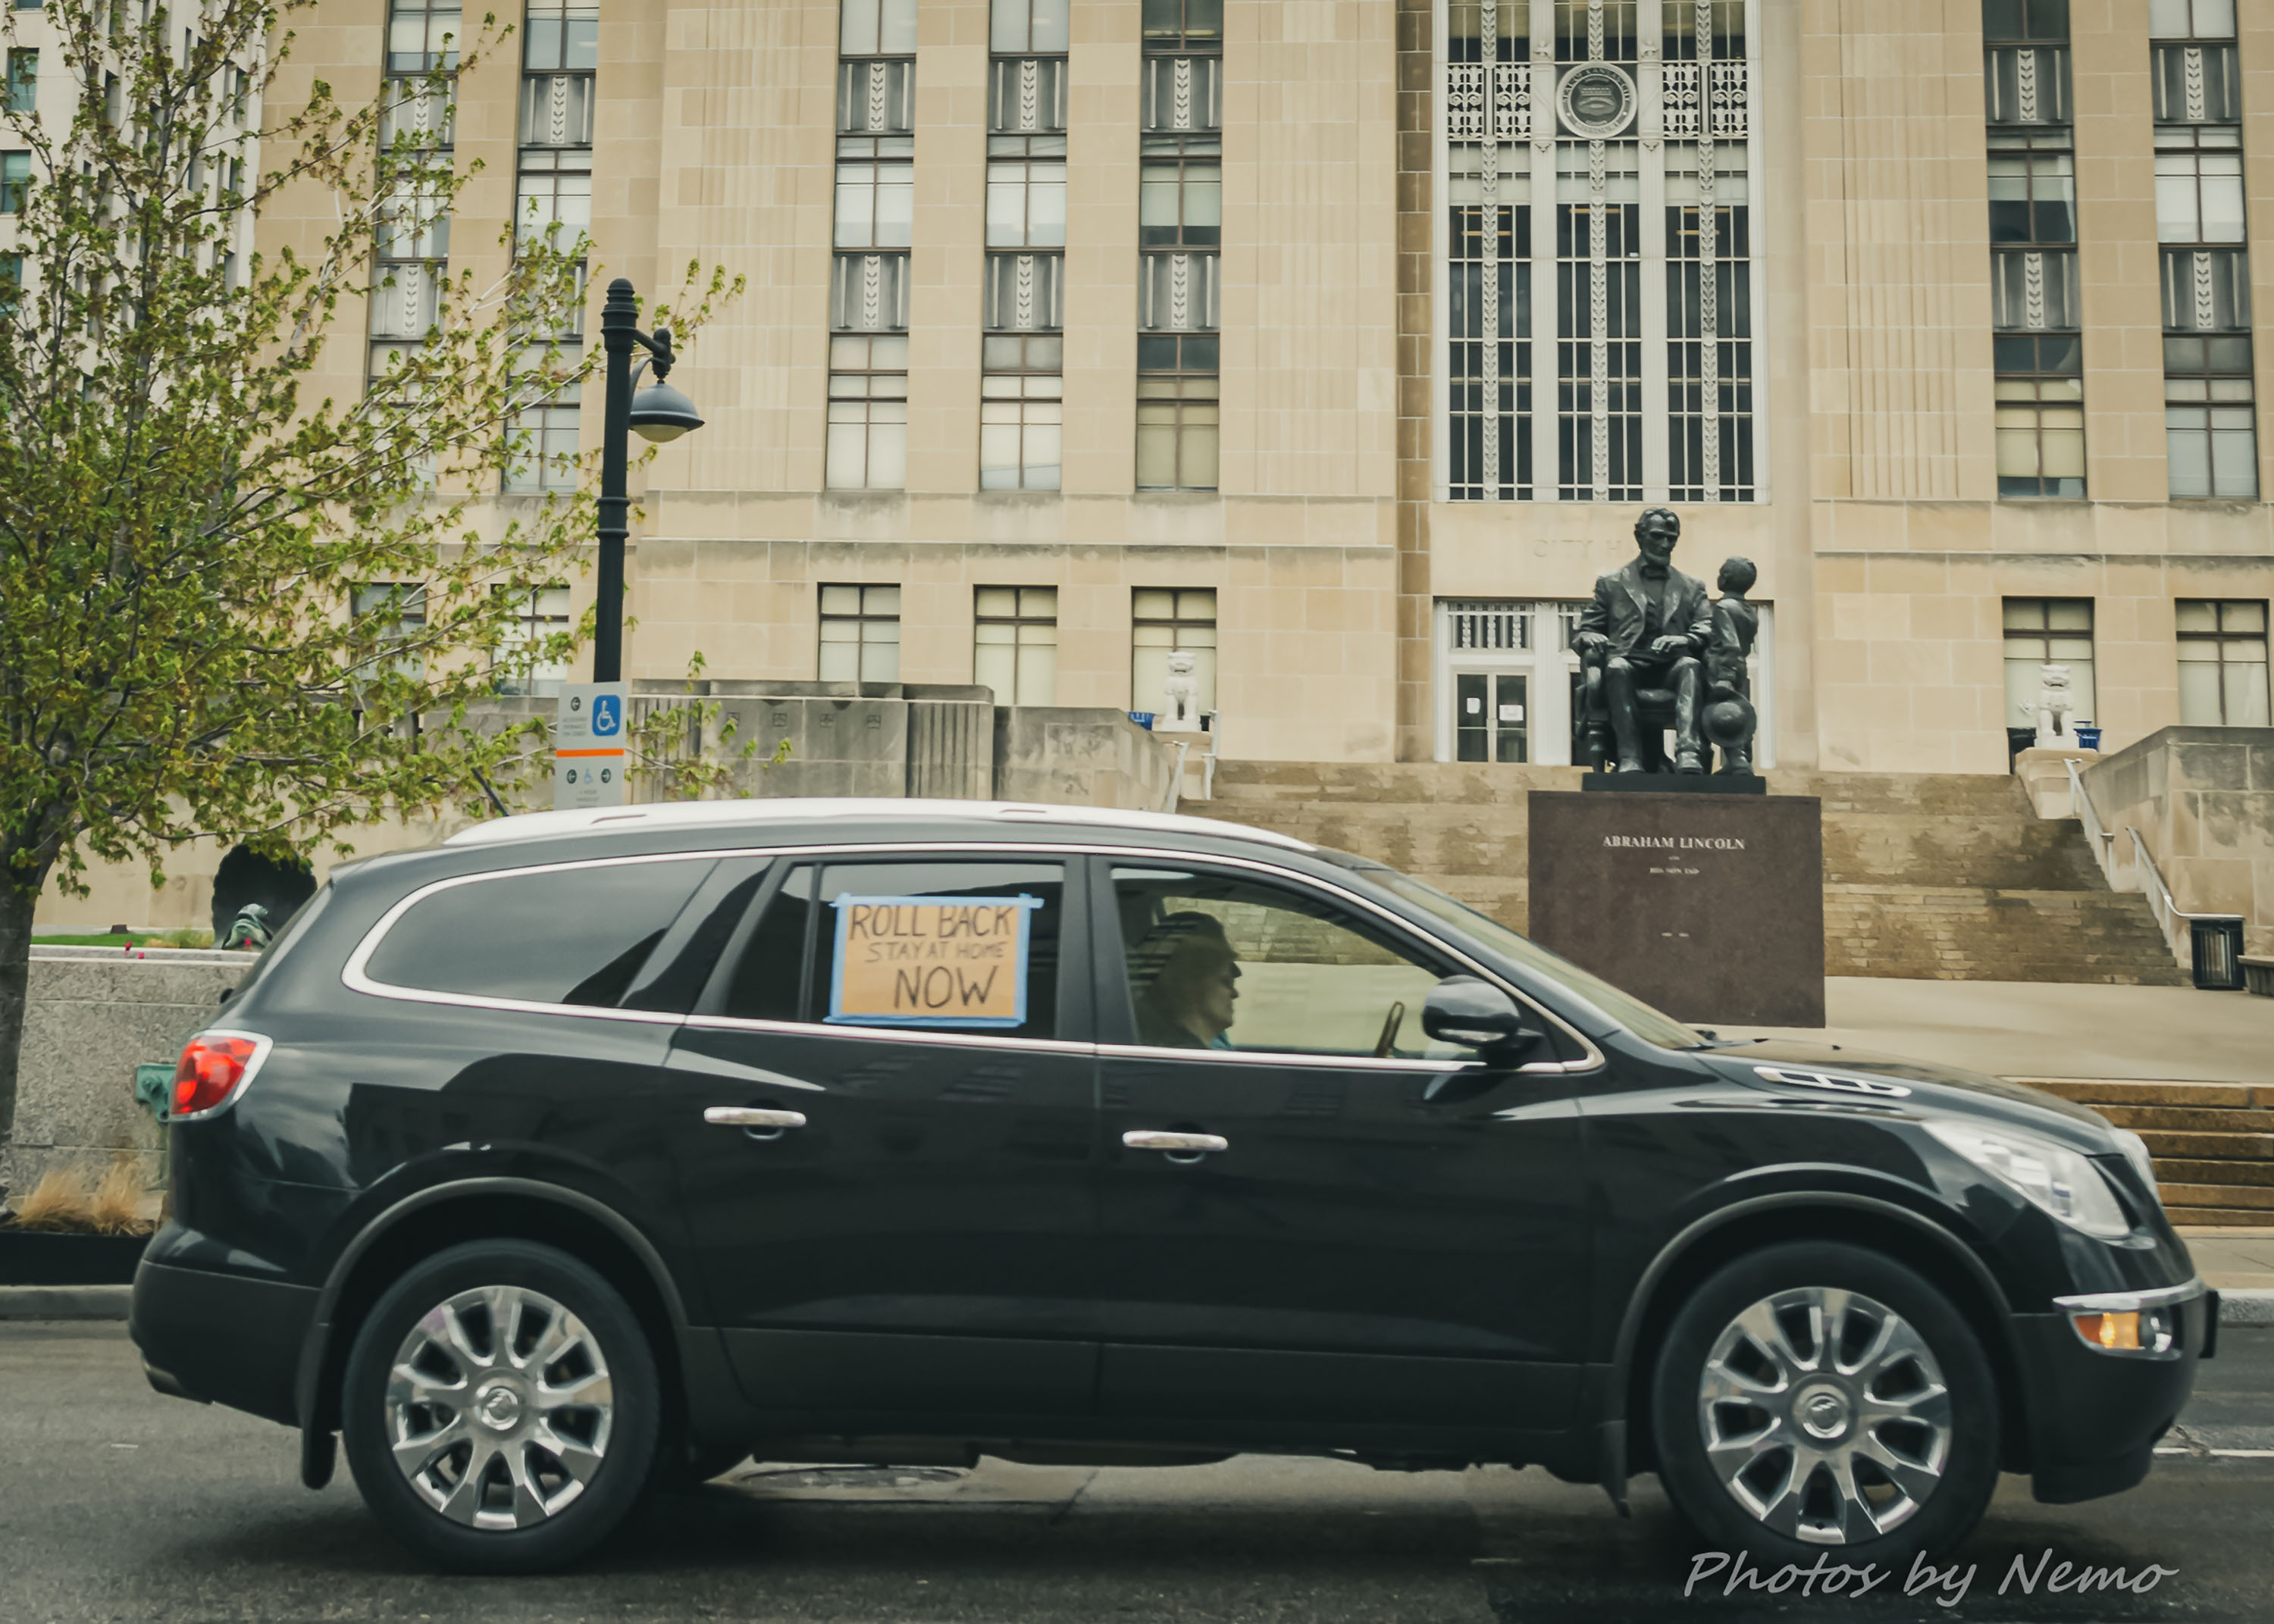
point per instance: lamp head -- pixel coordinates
(662, 413)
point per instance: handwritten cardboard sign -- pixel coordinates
(930, 962)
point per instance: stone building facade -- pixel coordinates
(1339, 341)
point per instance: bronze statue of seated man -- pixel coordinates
(1647, 628)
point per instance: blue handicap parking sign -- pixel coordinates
(607, 715)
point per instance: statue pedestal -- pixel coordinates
(1709, 907)
(1676, 783)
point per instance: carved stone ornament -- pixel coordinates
(1596, 100)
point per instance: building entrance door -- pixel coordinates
(1491, 717)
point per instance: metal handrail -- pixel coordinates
(2147, 879)
(1176, 780)
(2161, 895)
(2080, 804)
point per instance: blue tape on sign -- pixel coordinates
(930, 962)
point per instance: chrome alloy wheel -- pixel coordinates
(498, 1407)
(1825, 1416)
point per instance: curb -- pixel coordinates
(71, 1302)
(2253, 1305)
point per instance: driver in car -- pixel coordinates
(1186, 978)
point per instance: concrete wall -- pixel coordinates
(95, 1016)
(2202, 799)
(1070, 756)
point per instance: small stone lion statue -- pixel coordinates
(2055, 713)
(1180, 693)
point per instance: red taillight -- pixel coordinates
(213, 1067)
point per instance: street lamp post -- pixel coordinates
(660, 413)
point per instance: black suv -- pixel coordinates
(594, 1150)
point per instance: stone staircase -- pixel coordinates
(1937, 876)
(2213, 1143)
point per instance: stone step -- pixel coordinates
(2187, 1118)
(2209, 1146)
(2259, 1196)
(1927, 875)
(2227, 1174)
(2219, 1217)
(2125, 1091)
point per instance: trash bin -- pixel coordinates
(1143, 719)
(2088, 735)
(154, 1092)
(2217, 953)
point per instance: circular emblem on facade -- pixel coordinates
(1596, 100)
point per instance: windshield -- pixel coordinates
(1629, 1011)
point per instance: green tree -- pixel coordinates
(183, 532)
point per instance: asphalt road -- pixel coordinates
(118, 1504)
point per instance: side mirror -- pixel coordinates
(1463, 1010)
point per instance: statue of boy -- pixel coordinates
(1648, 626)
(1728, 681)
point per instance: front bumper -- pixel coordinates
(2095, 1418)
(222, 1339)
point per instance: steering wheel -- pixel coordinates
(1390, 1025)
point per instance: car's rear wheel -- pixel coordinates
(1817, 1397)
(500, 1408)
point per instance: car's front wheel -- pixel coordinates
(1816, 1398)
(500, 1408)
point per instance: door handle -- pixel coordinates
(1179, 1146)
(752, 1116)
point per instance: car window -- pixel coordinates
(1637, 1016)
(1215, 962)
(681, 963)
(560, 935)
(768, 981)
(943, 944)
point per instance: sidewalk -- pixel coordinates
(2232, 1259)
(2169, 1035)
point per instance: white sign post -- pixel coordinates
(589, 756)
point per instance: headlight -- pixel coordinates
(2053, 1177)
(2135, 1152)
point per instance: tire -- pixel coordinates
(1895, 1384)
(565, 1447)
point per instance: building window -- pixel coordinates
(1023, 300)
(553, 203)
(23, 81)
(2038, 343)
(877, 28)
(521, 667)
(15, 181)
(1488, 317)
(2040, 420)
(1015, 644)
(867, 413)
(868, 293)
(875, 205)
(2209, 415)
(859, 634)
(1166, 620)
(1709, 328)
(868, 437)
(395, 614)
(423, 35)
(1020, 412)
(2043, 631)
(546, 457)
(1176, 433)
(1180, 235)
(1599, 449)
(1488, 247)
(2221, 662)
(418, 126)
